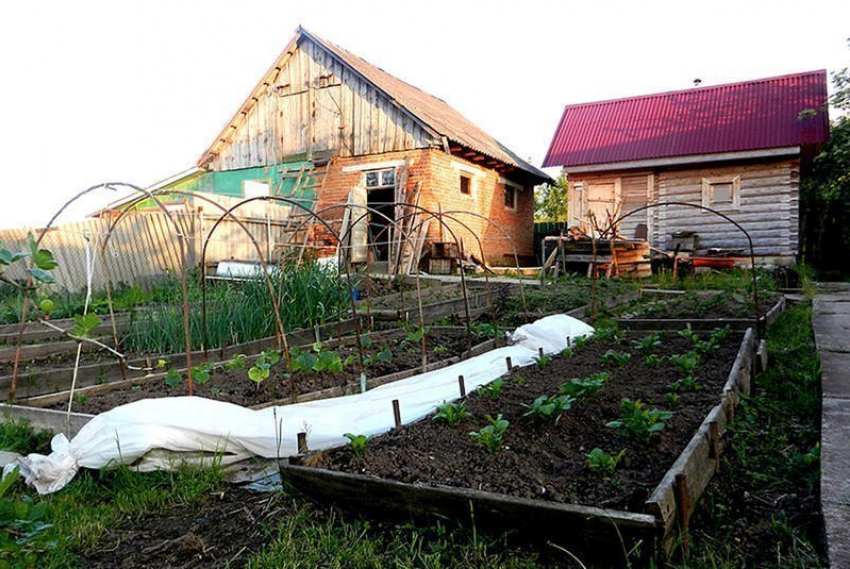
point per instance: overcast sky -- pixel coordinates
(136, 91)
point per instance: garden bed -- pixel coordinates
(232, 384)
(540, 482)
(667, 310)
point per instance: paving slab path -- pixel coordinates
(831, 326)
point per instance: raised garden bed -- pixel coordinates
(540, 483)
(673, 310)
(232, 384)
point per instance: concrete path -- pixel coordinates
(831, 325)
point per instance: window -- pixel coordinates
(255, 188)
(721, 191)
(466, 184)
(510, 197)
(380, 178)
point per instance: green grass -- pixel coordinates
(761, 510)
(735, 279)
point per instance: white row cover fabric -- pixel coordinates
(154, 434)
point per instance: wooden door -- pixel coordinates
(601, 199)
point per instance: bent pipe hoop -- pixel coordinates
(616, 221)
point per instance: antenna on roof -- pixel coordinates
(697, 81)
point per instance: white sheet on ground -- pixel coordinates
(156, 434)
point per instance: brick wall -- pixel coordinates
(439, 175)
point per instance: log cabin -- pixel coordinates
(738, 149)
(362, 137)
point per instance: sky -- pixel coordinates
(131, 91)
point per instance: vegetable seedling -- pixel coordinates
(451, 413)
(492, 436)
(549, 408)
(613, 358)
(494, 388)
(647, 344)
(358, 443)
(172, 378)
(603, 463)
(582, 388)
(638, 422)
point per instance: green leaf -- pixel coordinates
(173, 378)
(307, 361)
(7, 257)
(258, 375)
(43, 259)
(84, 324)
(40, 275)
(385, 356)
(46, 305)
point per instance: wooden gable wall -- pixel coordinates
(315, 104)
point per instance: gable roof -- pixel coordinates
(434, 114)
(751, 115)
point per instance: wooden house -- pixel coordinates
(738, 149)
(364, 137)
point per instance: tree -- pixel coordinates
(825, 193)
(550, 201)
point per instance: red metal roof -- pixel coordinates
(751, 115)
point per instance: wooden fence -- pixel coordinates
(145, 245)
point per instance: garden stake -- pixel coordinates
(569, 341)
(714, 440)
(462, 384)
(302, 443)
(509, 364)
(683, 500)
(396, 413)
(540, 352)
(362, 382)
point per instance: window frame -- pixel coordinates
(735, 191)
(380, 172)
(515, 189)
(265, 181)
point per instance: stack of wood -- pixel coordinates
(610, 257)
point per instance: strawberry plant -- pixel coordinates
(638, 422)
(358, 443)
(613, 358)
(492, 436)
(451, 413)
(582, 388)
(603, 463)
(549, 408)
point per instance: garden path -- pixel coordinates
(831, 325)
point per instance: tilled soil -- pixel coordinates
(546, 460)
(234, 386)
(721, 305)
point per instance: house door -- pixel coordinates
(600, 203)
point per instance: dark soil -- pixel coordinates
(546, 460)
(234, 386)
(224, 530)
(712, 306)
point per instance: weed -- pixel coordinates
(520, 380)
(451, 413)
(638, 422)
(492, 436)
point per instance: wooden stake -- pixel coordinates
(569, 341)
(714, 444)
(462, 386)
(540, 352)
(509, 364)
(302, 443)
(683, 500)
(396, 413)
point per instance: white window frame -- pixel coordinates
(380, 172)
(470, 172)
(708, 191)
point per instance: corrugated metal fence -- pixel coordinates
(146, 245)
